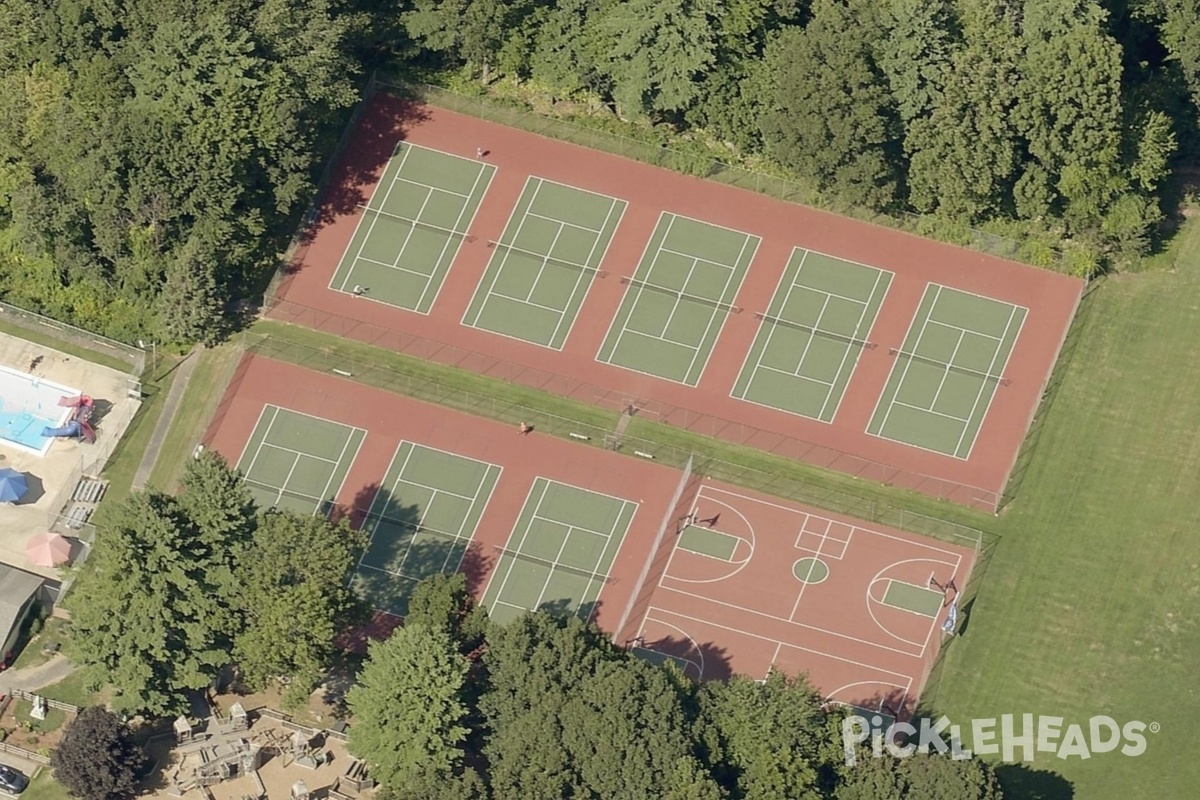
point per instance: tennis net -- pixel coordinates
(984, 376)
(552, 565)
(691, 298)
(546, 258)
(837, 337)
(417, 223)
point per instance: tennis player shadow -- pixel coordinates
(371, 145)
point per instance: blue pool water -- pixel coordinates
(24, 428)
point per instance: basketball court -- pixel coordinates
(754, 583)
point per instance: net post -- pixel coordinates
(668, 520)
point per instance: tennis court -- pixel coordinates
(677, 300)
(412, 227)
(559, 554)
(948, 371)
(810, 338)
(298, 462)
(544, 262)
(421, 521)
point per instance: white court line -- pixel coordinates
(524, 534)
(859, 333)
(395, 267)
(640, 290)
(987, 409)
(564, 223)
(906, 686)
(695, 646)
(524, 301)
(933, 621)
(591, 254)
(630, 287)
(274, 413)
(675, 548)
(431, 187)
(930, 411)
(545, 261)
(983, 383)
(797, 376)
(947, 367)
(873, 532)
(808, 344)
(953, 327)
(490, 277)
(717, 313)
(371, 226)
(483, 170)
(378, 517)
(770, 331)
(814, 651)
(294, 451)
(904, 375)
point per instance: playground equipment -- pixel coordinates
(79, 425)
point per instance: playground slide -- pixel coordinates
(73, 429)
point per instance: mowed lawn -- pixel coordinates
(1092, 601)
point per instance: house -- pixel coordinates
(19, 591)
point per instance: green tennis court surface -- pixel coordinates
(713, 544)
(297, 462)
(544, 263)
(677, 301)
(916, 599)
(948, 370)
(420, 522)
(412, 227)
(558, 555)
(810, 338)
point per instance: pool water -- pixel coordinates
(24, 428)
(29, 403)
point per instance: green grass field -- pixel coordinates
(1090, 604)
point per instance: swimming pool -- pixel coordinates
(28, 404)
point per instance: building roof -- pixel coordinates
(16, 587)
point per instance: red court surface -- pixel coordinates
(389, 419)
(718, 617)
(750, 613)
(979, 480)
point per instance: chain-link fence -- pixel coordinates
(703, 164)
(608, 403)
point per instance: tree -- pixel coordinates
(145, 617)
(190, 308)
(764, 737)
(917, 53)
(294, 598)
(443, 602)
(919, 777)
(97, 758)
(831, 118)
(964, 152)
(570, 715)
(656, 51)
(1069, 106)
(408, 708)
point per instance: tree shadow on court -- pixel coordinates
(895, 703)
(687, 655)
(376, 134)
(1023, 781)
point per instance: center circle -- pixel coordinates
(810, 570)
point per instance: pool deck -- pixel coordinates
(50, 474)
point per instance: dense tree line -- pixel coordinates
(155, 154)
(180, 587)
(1063, 118)
(452, 708)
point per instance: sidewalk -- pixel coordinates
(30, 679)
(183, 374)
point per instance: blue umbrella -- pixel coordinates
(12, 485)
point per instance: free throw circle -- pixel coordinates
(810, 570)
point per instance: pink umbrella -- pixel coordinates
(48, 549)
